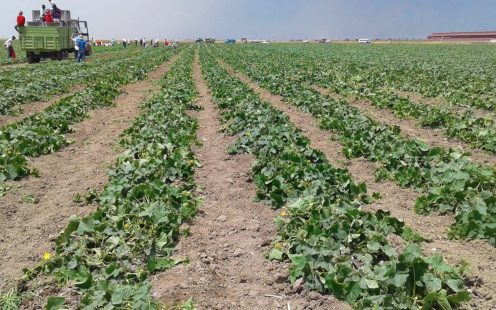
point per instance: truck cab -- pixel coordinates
(42, 40)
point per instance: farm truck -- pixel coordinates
(42, 40)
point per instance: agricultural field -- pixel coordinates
(278, 176)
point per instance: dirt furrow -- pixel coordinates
(29, 109)
(231, 235)
(411, 129)
(399, 201)
(28, 230)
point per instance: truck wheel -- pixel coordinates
(33, 59)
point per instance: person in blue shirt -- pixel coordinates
(81, 44)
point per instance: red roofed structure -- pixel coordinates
(483, 36)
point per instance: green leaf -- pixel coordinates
(275, 254)
(459, 297)
(55, 303)
(432, 283)
(372, 284)
(399, 280)
(117, 297)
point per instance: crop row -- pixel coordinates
(43, 133)
(108, 256)
(449, 181)
(461, 75)
(31, 83)
(333, 244)
(467, 127)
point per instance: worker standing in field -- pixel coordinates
(82, 49)
(21, 21)
(76, 46)
(124, 42)
(10, 48)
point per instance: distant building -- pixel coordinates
(485, 36)
(364, 41)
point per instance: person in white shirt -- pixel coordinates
(75, 39)
(9, 47)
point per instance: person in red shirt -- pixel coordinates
(48, 17)
(21, 21)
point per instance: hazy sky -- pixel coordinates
(267, 19)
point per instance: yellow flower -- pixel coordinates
(284, 213)
(47, 256)
(126, 226)
(278, 246)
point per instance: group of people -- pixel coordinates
(141, 42)
(153, 43)
(52, 14)
(48, 15)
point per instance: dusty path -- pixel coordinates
(399, 201)
(229, 238)
(28, 230)
(29, 109)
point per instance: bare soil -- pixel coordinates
(399, 201)
(29, 230)
(411, 129)
(29, 109)
(231, 235)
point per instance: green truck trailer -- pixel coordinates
(52, 40)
